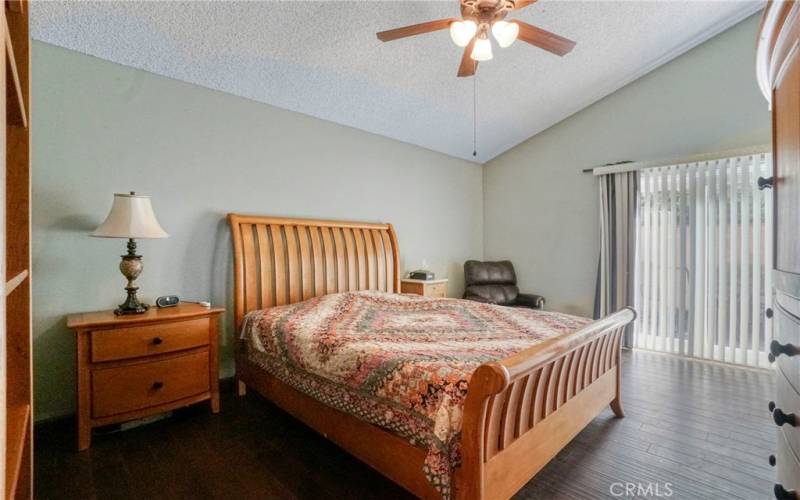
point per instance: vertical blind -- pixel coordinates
(703, 260)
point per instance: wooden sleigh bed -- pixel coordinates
(519, 411)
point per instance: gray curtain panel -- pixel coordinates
(618, 203)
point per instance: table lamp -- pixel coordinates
(131, 217)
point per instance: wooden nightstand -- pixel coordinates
(132, 366)
(427, 288)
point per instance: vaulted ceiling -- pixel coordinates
(323, 59)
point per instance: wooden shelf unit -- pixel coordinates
(15, 267)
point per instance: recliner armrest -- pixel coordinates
(530, 300)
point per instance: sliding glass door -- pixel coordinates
(703, 260)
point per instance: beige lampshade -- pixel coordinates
(131, 216)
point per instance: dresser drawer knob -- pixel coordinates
(158, 341)
(772, 460)
(776, 349)
(782, 493)
(771, 406)
(782, 418)
(768, 313)
(158, 385)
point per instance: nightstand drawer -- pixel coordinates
(136, 341)
(436, 290)
(433, 288)
(133, 387)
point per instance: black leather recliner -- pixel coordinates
(496, 283)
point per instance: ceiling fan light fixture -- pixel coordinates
(461, 32)
(482, 50)
(505, 33)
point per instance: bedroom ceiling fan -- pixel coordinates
(479, 17)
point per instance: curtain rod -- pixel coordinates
(629, 165)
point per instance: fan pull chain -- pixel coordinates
(474, 115)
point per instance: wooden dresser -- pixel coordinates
(426, 288)
(778, 68)
(132, 366)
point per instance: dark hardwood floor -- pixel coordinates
(693, 429)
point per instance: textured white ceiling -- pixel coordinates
(322, 58)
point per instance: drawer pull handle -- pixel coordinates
(782, 493)
(771, 406)
(158, 385)
(764, 183)
(772, 460)
(158, 340)
(776, 349)
(782, 418)
(768, 313)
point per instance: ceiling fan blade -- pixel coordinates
(415, 29)
(521, 4)
(543, 39)
(468, 67)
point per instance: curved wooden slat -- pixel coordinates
(279, 257)
(318, 259)
(587, 372)
(352, 259)
(575, 373)
(494, 417)
(612, 341)
(598, 359)
(266, 265)
(391, 254)
(293, 253)
(238, 274)
(611, 360)
(380, 263)
(539, 403)
(526, 407)
(306, 268)
(563, 380)
(342, 260)
(508, 423)
(250, 271)
(361, 258)
(551, 399)
(330, 260)
(580, 383)
(371, 258)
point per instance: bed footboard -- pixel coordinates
(521, 411)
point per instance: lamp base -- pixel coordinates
(131, 304)
(131, 268)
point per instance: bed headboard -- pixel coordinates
(280, 261)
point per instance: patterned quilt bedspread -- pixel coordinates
(402, 362)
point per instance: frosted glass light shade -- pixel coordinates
(462, 32)
(505, 33)
(482, 50)
(131, 216)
